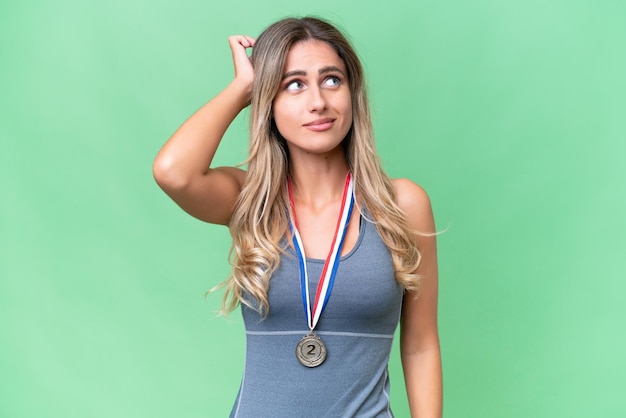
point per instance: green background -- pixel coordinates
(510, 113)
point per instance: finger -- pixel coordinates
(247, 41)
(238, 46)
(243, 40)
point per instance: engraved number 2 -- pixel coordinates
(311, 350)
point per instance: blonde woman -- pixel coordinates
(328, 253)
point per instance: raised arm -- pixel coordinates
(419, 336)
(182, 168)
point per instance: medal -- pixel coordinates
(311, 351)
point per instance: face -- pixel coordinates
(313, 108)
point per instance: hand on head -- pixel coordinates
(243, 66)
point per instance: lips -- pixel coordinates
(320, 125)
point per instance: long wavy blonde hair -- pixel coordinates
(260, 218)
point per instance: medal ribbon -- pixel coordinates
(327, 278)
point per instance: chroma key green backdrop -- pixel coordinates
(512, 114)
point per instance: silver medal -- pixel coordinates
(311, 351)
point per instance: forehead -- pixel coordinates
(311, 55)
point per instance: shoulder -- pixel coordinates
(410, 195)
(415, 203)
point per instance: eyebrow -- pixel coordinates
(323, 70)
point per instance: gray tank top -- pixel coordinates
(357, 327)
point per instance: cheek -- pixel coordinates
(345, 104)
(348, 112)
(282, 117)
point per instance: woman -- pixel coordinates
(313, 211)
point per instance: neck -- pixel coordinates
(319, 181)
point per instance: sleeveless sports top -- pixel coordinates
(357, 327)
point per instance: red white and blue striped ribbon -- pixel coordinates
(327, 279)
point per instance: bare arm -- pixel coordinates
(182, 168)
(419, 336)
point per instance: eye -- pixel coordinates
(294, 85)
(332, 81)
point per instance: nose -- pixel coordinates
(316, 99)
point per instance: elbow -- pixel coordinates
(167, 176)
